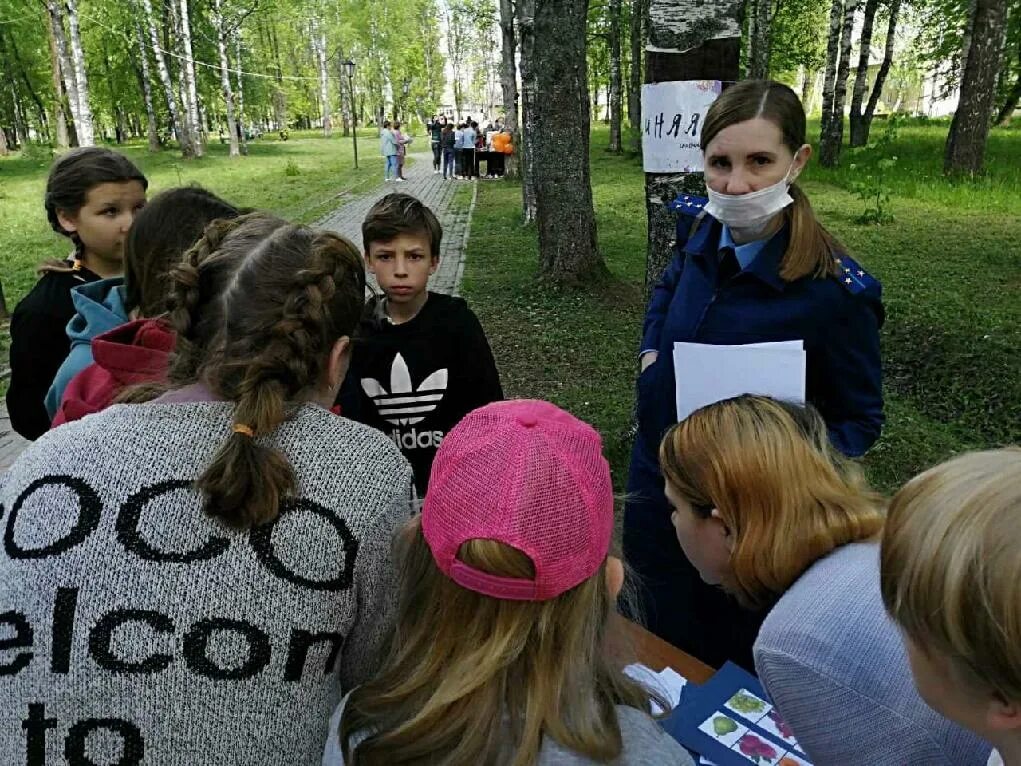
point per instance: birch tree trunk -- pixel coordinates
(861, 79)
(84, 121)
(70, 83)
(242, 139)
(969, 129)
(526, 28)
(966, 39)
(832, 54)
(190, 95)
(509, 85)
(1007, 110)
(150, 112)
(183, 138)
(4, 151)
(319, 49)
(758, 58)
(568, 250)
(279, 97)
(833, 138)
(228, 94)
(59, 115)
(634, 96)
(884, 70)
(616, 86)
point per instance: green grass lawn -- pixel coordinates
(950, 264)
(300, 179)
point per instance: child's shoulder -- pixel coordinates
(51, 294)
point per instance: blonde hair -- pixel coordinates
(812, 249)
(950, 567)
(474, 679)
(787, 497)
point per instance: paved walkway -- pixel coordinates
(454, 215)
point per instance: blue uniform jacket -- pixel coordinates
(838, 318)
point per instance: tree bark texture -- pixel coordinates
(183, 137)
(190, 94)
(67, 77)
(832, 54)
(150, 112)
(884, 70)
(59, 116)
(240, 91)
(833, 138)
(225, 86)
(85, 128)
(760, 26)
(1007, 110)
(509, 85)
(705, 39)
(969, 129)
(861, 79)
(568, 251)
(616, 85)
(319, 46)
(526, 27)
(634, 96)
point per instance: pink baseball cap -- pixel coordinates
(529, 475)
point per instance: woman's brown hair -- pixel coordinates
(811, 250)
(787, 497)
(257, 305)
(474, 679)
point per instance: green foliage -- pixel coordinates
(874, 164)
(292, 169)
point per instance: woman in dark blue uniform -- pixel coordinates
(755, 265)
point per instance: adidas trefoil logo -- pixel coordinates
(402, 405)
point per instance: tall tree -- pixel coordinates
(318, 38)
(509, 82)
(833, 138)
(969, 128)
(861, 77)
(526, 33)
(239, 89)
(150, 112)
(759, 43)
(84, 125)
(1010, 71)
(183, 137)
(865, 121)
(67, 75)
(616, 86)
(190, 94)
(222, 31)
(59, 96)
(559, 122)
(832, 54)
(636, 29)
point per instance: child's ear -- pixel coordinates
(1003, 715)
(434, 263)
(68, 222)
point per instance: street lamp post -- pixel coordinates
(349, 68)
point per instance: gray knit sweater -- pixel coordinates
(134, 629)
(833, 663)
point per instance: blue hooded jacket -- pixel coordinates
(100, 307)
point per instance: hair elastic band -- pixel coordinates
(241, 428)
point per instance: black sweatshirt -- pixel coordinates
(39, 345)
(415, 381)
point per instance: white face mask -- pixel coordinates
(749, 214)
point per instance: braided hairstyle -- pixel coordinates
(258, 305)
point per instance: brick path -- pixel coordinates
(455, 216)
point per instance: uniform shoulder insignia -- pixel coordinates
(688, 203)
(852, 276)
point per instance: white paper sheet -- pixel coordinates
(706, 374)
(667, 683)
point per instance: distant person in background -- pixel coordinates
(468, 142)
(435, 128)
(402, 150)
(447, 139)
(388, 148)
(459, 151)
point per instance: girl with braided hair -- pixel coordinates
(227, 575)
(92, 197)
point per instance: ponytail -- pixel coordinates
(811, 250)
(258, 305)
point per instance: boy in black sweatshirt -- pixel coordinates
(421, 360)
